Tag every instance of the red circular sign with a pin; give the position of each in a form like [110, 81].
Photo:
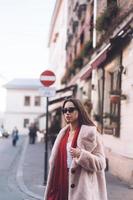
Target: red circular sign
[47, 78]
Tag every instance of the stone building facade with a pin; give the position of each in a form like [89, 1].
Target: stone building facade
[99, 49]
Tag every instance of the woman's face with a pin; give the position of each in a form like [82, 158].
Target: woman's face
[70, 112]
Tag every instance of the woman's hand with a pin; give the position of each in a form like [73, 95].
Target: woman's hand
[75, 152]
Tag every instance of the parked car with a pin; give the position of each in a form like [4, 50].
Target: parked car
[1, 135]
[1, 132]
[5, 134]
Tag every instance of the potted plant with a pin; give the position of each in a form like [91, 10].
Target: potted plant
[115, 96]
[78, 62]
[86, 50]
[104, 20]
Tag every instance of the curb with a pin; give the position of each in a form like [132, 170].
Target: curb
[19, 174]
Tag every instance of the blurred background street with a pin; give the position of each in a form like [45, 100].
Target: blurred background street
[53, 50]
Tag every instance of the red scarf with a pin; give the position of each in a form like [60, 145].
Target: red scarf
[59, 184]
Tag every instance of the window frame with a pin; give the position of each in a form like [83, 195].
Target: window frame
[35, 101]
[25, 123]
[27, 102]
[109, 2]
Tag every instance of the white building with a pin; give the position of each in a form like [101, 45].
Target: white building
[57, 40]
[23, 103]
[2, 98]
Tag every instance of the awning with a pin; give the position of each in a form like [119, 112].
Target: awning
[101, 58]
[58, 100]
[86, 74]
[71, 87]
[95, 63]
[61, 95]
[57, 103]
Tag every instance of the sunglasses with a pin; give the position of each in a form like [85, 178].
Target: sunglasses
[69, 110]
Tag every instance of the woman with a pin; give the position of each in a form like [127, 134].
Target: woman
[77, 159]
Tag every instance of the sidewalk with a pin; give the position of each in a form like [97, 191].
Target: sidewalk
[117, 189]
[30, 175]
[30, 170]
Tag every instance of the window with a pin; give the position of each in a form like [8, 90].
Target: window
[70, 58]
[82, 39]
[26, 123]
[37, 123]
[112, 103]
[37, 101]
[27, 100]
[91, 20]
[115, 78]
[100, 92]
[109, 2]
[75, 50]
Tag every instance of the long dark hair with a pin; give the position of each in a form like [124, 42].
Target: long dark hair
[83, 116]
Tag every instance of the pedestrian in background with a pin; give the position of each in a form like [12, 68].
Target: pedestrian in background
[1, 130]
[77, 160]
[15, 136]
[33, 133]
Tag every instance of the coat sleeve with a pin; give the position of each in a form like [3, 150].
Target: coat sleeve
[95, 160]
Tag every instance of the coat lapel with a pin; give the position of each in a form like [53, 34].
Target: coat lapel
[86, 140]
[56, 145]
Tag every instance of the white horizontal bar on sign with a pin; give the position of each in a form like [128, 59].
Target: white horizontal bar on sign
[47, 91]
[47, 78]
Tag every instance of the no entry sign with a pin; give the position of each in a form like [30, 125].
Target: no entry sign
[47, 78]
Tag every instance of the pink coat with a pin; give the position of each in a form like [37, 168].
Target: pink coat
[86, 175]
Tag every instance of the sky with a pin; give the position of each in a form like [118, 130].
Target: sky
[24, 29]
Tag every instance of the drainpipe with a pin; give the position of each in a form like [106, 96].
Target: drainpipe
[103, 89]
[93, 93]
[119, 105]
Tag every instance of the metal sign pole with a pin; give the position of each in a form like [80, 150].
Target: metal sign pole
[47, 78]
[46, 145]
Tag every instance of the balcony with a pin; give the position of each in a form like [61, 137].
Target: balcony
[106, 17]
[116, 96]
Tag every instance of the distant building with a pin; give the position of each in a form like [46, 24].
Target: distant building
[23, 103]
[57, 40]
[2, 98]
[57, 60]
